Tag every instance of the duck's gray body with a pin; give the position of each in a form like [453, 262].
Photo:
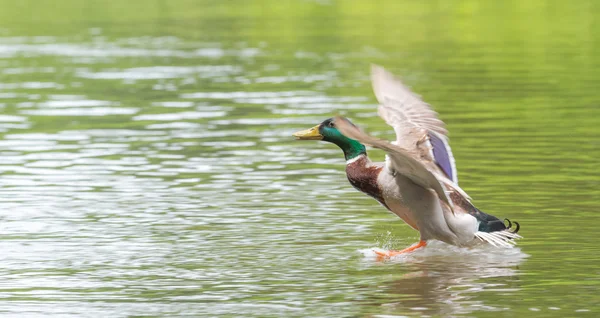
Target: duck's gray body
[418, 182]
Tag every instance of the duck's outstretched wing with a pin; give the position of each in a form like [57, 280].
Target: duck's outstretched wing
[416, 124]
[400, 161]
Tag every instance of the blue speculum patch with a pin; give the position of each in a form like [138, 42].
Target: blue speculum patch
[442, 157]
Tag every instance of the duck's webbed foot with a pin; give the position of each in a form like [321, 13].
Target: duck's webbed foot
[390, 253]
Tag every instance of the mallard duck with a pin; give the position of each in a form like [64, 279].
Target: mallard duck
[418, 180]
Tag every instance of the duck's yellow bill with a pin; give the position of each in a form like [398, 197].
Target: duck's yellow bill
[309, 134]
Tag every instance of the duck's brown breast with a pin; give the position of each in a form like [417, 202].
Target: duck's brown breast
[363, 176]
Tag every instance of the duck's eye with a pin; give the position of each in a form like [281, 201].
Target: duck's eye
[330, 125]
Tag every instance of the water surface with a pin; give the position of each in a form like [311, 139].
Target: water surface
[148, 167]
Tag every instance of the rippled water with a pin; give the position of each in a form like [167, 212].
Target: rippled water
[148, 167]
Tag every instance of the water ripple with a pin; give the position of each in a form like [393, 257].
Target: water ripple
[157, 176]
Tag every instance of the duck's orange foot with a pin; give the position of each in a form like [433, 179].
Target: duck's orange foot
[391, 253]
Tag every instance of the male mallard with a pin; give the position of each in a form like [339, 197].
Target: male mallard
[418, 180]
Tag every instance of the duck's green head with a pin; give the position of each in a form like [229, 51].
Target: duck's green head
[327, 131]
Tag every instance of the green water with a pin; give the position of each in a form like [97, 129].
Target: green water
[148, 169]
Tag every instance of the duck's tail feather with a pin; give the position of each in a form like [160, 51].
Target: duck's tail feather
[499, 234]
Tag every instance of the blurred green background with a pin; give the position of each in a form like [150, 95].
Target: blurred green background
[148, 167]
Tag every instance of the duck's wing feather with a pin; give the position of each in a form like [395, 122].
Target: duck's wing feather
[400, 160]
[442, 155]
[416, 124]
[400, 107]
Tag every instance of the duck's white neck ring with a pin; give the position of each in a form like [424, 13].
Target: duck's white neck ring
[349, 161]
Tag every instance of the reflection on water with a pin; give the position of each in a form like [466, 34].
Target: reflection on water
[443, 280]
[148, 169]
